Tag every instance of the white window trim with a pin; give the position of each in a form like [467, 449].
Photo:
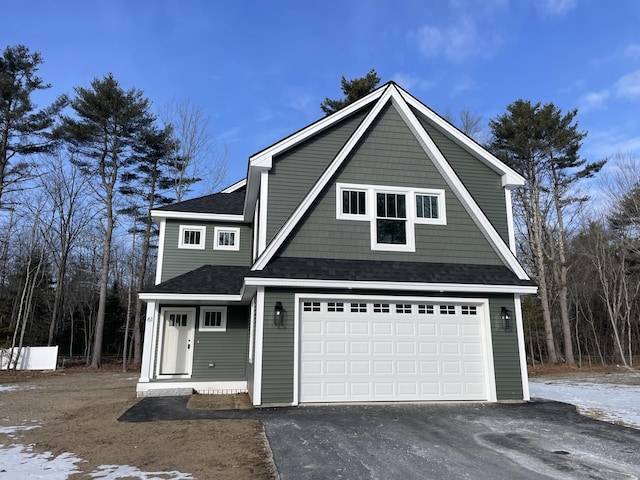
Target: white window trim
[442, 209]
[216, 238]
[198, 228]
[340, 215]
[223, 319]
[411, 220]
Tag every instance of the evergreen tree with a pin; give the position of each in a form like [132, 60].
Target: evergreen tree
[23, 129]
[108, 127]
[353, 90]
[542, 144]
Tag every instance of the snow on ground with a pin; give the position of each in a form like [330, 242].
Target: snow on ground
[19, 461]
[612, 402]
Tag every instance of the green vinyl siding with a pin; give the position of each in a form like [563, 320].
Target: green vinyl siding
[506, 356]
[278, 357]
[389, 155]
[226, 351]
[297, 170]
[177, 261]
[484, 184]
[277, 350]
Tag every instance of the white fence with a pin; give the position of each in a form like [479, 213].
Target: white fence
[30, 358]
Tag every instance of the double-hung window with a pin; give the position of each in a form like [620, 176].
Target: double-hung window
[391, 218]
[191, 236]
[392, 212]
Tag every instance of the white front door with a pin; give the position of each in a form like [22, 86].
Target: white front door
[177, 344]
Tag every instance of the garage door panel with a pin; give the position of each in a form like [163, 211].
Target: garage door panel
[380, 351]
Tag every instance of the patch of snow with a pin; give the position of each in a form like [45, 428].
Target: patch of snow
[19, 461]
[8, 388]
[607, 401]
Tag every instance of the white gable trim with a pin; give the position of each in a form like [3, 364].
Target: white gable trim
[509, 176]
[235, 187]
[264, 158]
[299, 212]
[393, 94]
[476, 213]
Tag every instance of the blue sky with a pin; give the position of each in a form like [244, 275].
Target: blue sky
[260, 69]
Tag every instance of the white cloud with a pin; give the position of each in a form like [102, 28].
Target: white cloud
[628, 86]
[454, 42]
[593, 100]
[557, 8]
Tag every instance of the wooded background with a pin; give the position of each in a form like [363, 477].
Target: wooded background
[78, 178]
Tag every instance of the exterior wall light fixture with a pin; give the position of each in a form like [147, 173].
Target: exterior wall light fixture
[279, 314]
[507, 322]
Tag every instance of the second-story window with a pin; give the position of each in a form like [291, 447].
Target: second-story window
[391, 218]
[192, 237]
[226, 238]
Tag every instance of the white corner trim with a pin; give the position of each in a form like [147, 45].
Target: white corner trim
[490, 372]
[257, 363]
[299, 212]
[264, 202]
[296, 348]
[151, 326]
[160, 259]
[526, 396]
[511, 226]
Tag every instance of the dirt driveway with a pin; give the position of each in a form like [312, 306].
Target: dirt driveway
[77, 412]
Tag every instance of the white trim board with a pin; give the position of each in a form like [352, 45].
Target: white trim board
[391, 93]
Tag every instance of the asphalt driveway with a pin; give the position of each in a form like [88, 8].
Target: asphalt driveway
[536, 440]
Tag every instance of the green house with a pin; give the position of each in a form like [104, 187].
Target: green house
[367, 257]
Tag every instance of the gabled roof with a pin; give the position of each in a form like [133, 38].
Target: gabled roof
[406, 105]
[214, 206]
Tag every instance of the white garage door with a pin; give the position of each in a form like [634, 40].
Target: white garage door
[386, 351]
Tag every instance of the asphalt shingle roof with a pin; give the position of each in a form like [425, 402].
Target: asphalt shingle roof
[228, 280]
[372, 270]
[206, 280]
[223, 203]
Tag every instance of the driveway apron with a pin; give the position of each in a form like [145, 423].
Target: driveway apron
[536, 440]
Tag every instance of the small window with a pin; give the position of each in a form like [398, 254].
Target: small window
[468, 310]
[192, 237]
[213, 319]
[311, 306]
[427, 206]
[447, 309]
[425, 309]
[177, 320]
[354, 202]
[403, 308]
[380, 308]
[335, 307]
[226, 238]
[358, 308]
